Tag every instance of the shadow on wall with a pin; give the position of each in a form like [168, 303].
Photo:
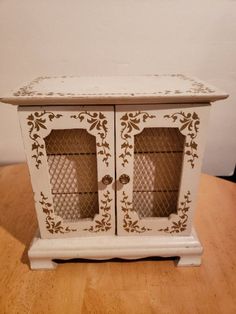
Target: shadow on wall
[17, 214]
[230, 178]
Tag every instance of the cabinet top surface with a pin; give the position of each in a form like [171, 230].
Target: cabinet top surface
[172, 88]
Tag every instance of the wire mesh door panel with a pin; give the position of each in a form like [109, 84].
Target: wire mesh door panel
[72, 162]
[158, 156]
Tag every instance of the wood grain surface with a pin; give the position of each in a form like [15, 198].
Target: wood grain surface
[147, 286]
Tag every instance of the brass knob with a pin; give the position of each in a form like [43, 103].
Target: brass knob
[124, 179]
[107, 179]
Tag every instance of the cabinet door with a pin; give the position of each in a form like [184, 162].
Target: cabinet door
[158, 156]
[70, 153]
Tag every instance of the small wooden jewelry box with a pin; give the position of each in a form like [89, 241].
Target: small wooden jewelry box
[114, 164]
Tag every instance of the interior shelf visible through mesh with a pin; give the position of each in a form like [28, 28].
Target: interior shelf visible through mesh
[158, 157]
[71, 155]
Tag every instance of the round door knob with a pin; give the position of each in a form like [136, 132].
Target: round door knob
[107, 179]
[124, 179]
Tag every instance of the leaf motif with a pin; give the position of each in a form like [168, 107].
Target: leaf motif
[51, 116]
[101, 116]
[31, 117]
[98, 121]
[35, 136]
[184, 126]
[92, 126]
[104, 224]
[193, 145]
[58, 224]
[125, 117]
[190, 121]
[34, 146]
[45, 210]
[128, 224]
[39, 119]
[51, 225]
[105, 144]
[129, 122]
[181, 224]
[195, 116]
[135, 126]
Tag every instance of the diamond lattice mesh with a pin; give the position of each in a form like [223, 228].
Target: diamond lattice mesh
[72, 165]
[158, 155]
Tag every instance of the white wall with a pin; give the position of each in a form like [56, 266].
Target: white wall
[108, 37]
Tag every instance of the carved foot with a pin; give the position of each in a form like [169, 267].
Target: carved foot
[42, 263]
[189, 260]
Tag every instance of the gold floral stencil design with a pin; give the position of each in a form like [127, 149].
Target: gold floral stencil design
[103, 224]
[128, 224]
[37, 121]
[30, 89]
[181, 224]
[97, 121]
[195, 88]
[51, 225]
[190, 123]
[129, 123]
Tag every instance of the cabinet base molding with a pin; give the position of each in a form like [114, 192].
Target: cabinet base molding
[43, 252]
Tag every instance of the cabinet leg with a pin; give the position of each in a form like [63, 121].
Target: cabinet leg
[189, 260]
[42, 263]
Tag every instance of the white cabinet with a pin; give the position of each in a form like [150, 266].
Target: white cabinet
[114, 165]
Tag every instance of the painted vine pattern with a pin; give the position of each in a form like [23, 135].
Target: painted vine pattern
[30, 89]
[129, 122]
[128, 224]
[181, 224]
[104, 224]
[196, 87]
[190, 122]
[37, 121]
[51, 225]
[97, 121]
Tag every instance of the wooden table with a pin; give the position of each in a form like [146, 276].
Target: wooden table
[146, 286]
